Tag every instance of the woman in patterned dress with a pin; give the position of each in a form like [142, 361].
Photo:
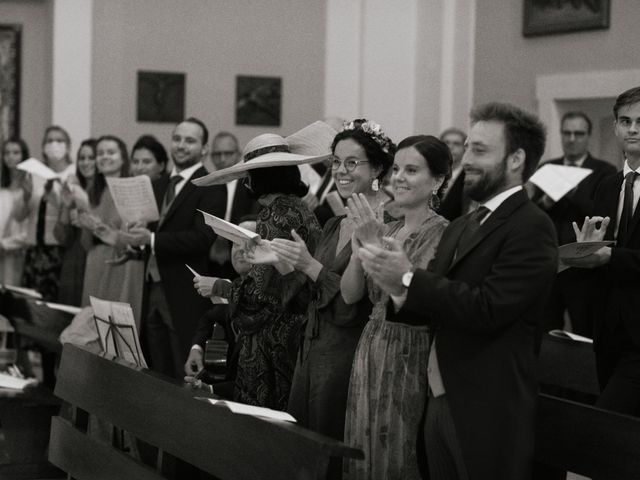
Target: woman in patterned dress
[388, 386]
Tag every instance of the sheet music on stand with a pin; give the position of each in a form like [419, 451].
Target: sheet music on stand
[117, 330]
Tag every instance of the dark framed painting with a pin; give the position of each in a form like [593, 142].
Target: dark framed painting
[258, 100]
[546, 17]
[10, 36]
[161, 97]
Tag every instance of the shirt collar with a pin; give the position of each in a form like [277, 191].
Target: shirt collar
[494, 202]
[577, 163]
[187, 172]
[627, 169]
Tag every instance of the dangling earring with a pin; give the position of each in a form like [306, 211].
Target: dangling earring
[375, 185]
[434, 201]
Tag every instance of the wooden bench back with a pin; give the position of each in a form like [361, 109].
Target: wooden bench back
[167, 415]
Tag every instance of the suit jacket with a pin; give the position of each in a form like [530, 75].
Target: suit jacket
[485, 306]
[618, 299]
[182, 237]
[577, 204]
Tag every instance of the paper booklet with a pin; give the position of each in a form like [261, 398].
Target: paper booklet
[229, 230]
[15, 383]
[36, 167]
[25, 292]
[73, 310]
[117, 330]
[558, 180]
[134, 199]
[242, 409]
[578, 250]
[570, 336]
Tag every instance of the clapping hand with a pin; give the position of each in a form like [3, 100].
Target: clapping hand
[386, 265]
[295, 253]
[590, 232]
[368, 229]
[258, 251]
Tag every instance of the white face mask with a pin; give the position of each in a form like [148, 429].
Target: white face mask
[55, 150]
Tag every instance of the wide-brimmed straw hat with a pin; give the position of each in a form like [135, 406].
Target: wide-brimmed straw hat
[310, 145]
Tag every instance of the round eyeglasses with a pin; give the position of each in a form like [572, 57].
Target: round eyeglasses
[350, 164]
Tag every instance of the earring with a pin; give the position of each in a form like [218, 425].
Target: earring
[375, 185]
[434, 201]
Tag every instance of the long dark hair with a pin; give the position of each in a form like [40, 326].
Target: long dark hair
[100, 183]
[151, 143]
[435, 153]
[5, 175]
[91, 143]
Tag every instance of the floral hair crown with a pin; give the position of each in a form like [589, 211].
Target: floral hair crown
[374, 130]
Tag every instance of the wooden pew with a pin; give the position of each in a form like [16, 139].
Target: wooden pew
[166, 415]
[583, 439]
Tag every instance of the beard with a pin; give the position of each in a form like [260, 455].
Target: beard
[488, 184]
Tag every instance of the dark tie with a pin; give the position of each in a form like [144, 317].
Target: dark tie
[627, 207]
[472, 225]
[171, 191]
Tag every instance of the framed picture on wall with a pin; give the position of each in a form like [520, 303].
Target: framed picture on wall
[546, 17]
[9, 81]
[258, 100]
[160, 97]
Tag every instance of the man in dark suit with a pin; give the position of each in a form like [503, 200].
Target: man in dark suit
[572, 286]
[172, 306]
[225, 152]
[617, 303]
[455, 202]
[483, 295]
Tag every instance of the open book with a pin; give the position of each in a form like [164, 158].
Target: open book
[117, 330]
[558, 180]
[242, 409]
[134, 199]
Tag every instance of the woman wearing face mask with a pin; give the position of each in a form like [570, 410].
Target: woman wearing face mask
[102, 234]
[13, 234]
[39, 203]
[361, 158]
[74, 198]
[388, 386]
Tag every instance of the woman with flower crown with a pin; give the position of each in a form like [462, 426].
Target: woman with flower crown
[388, 387]
[362, 155]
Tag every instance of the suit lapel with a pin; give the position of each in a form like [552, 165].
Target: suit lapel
[495, 220]
[611, 199]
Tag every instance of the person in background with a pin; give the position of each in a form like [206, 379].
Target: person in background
[218, 314]
[225, 153]
[104, 278]
[455, 201]
[387, 391]
[361, 158]
[572, 286]
[617, 267]
[13, 234]
[39, 204]
[180, 237]
[149, 157]
[74, 197]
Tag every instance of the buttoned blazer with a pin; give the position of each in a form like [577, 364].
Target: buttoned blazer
[182, 237]
[484, 304]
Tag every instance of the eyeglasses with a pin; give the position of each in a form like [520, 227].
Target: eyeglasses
[350, 164]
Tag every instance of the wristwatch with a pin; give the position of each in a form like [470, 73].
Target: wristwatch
[406, 279]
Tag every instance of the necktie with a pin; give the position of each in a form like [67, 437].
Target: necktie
[472, 225]
[171, 191]
[627, 207]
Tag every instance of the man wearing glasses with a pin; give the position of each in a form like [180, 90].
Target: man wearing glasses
[573, 285]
